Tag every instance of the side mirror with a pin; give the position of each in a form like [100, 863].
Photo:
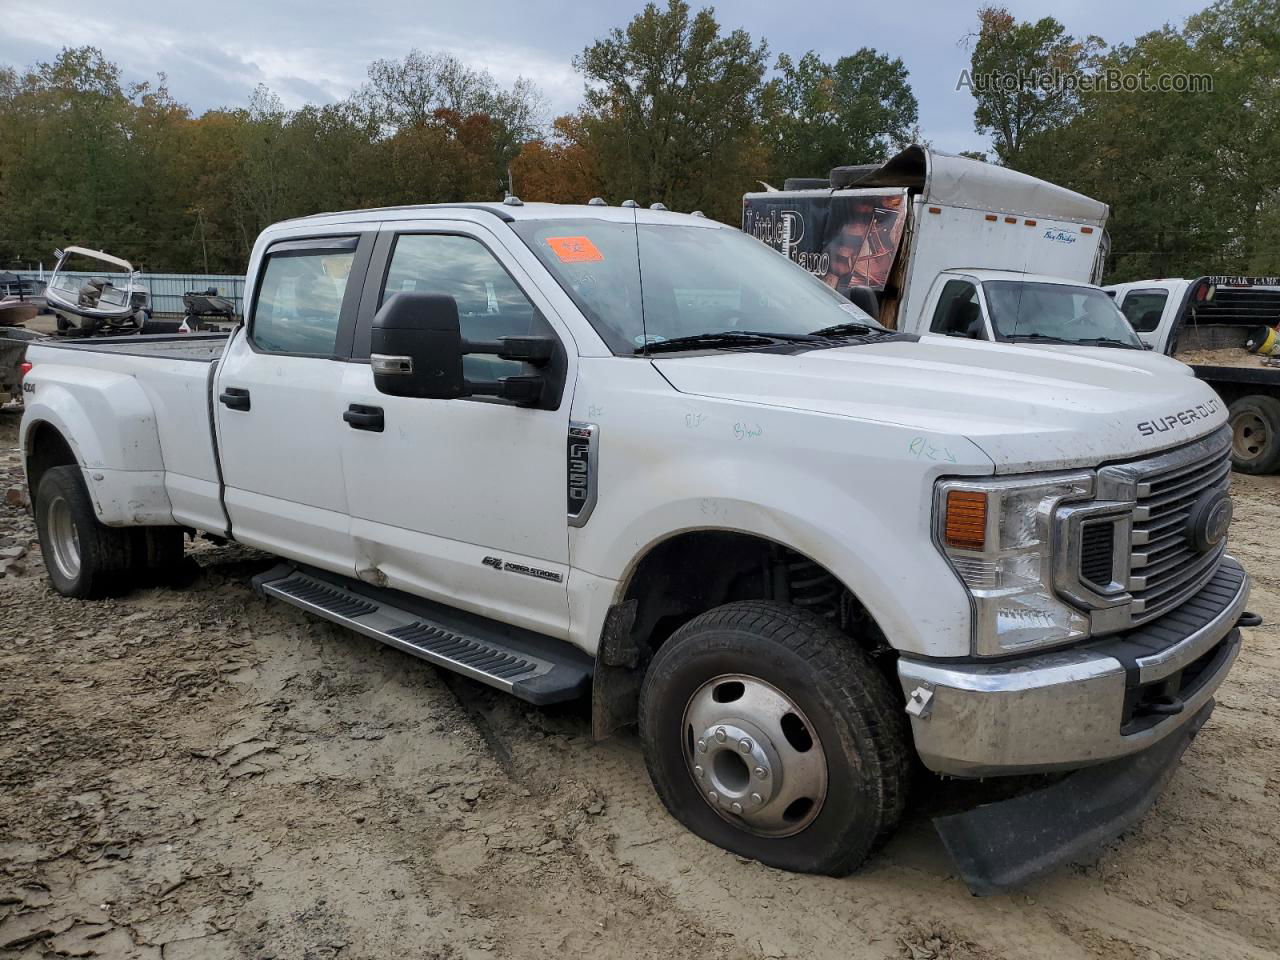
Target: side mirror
[416, 347]
[416, 350]
[865, 299]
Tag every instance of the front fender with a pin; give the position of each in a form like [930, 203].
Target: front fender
[853, 495]
[110, 425]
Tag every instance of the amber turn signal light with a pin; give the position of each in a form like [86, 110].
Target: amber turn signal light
[966, 527]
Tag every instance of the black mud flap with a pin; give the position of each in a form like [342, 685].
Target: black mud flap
[999, 846]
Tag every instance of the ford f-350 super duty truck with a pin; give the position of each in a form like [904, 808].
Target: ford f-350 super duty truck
[638, 456]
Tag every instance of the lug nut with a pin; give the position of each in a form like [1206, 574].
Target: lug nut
[756, 798]
[698, 772]
[712, 796]
[720, 734]
[761, 772]
[702, 746]
[744, 745]
[736, 807]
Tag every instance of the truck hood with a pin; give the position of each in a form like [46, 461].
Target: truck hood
[1143, 359]
[1026, 409]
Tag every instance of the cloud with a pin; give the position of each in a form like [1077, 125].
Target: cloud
[318, 50]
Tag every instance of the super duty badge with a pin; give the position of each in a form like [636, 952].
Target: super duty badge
[1185, 417]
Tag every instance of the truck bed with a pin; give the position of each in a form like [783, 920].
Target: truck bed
[195, 347]
[1229, 364]
[147, 403]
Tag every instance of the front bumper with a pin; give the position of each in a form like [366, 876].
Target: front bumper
[1086, 705]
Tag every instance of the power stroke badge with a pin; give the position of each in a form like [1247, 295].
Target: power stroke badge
[506, 566]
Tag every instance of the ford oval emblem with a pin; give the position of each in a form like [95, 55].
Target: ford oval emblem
[1208, 521]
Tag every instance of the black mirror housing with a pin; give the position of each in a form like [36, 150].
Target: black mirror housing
[865, 299]
[416, 347]
[416, 350]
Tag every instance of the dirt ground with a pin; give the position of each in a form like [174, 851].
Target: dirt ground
[198, 773]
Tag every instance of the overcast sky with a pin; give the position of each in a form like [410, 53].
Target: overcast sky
[215, 53]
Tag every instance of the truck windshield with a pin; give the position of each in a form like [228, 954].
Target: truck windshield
[1061, 312]
[649, 283]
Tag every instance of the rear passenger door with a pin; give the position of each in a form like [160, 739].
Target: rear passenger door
[278, 401]
[463, 501]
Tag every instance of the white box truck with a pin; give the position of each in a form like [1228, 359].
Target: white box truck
[931, 243]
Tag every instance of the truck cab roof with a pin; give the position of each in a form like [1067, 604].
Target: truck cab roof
[979, 273]
[506, 212]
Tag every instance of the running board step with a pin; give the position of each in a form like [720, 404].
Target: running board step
[533, 667]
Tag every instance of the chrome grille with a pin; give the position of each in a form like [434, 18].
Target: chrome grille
[1164, 566]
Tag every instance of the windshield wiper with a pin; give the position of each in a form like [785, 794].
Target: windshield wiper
[1043, 337]
[1110, 342]
[849, 328]
[725, 338]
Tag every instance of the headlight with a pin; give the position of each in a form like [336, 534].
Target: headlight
[997, 535]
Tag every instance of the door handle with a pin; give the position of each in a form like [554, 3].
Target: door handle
[234, 398]
[362, 417]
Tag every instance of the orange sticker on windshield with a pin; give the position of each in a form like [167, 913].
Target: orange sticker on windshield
[574, 249]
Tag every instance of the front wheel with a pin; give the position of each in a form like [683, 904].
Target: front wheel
[769, 733]
[1255, 434]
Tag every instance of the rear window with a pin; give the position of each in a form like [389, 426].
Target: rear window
[300, 301]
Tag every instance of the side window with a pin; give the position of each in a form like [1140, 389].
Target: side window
[958, 313]
[300, 299]
[490, 305]
[1144, 308]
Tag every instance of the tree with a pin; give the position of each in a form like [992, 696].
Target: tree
[672, 110]
[1193, 176]
[411, 93]
[1013, 77]
[558, 169]
[855, 110]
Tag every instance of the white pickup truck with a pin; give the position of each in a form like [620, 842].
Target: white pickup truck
[1217, 325]
[636, 455]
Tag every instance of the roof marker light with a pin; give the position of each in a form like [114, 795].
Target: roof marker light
[629, 203]
[596, 202]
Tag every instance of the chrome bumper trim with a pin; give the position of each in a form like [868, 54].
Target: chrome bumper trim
[1056, 711]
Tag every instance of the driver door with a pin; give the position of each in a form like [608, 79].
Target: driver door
[958, 311]
[462, 501]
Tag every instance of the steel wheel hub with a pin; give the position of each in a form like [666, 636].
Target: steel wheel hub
[754, 756]
[736, 771]
[1248, 436]
[63, 538]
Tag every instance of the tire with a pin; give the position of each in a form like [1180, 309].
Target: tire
[1255, 434]
[159, 556]
[83, 557]
[837, 697]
